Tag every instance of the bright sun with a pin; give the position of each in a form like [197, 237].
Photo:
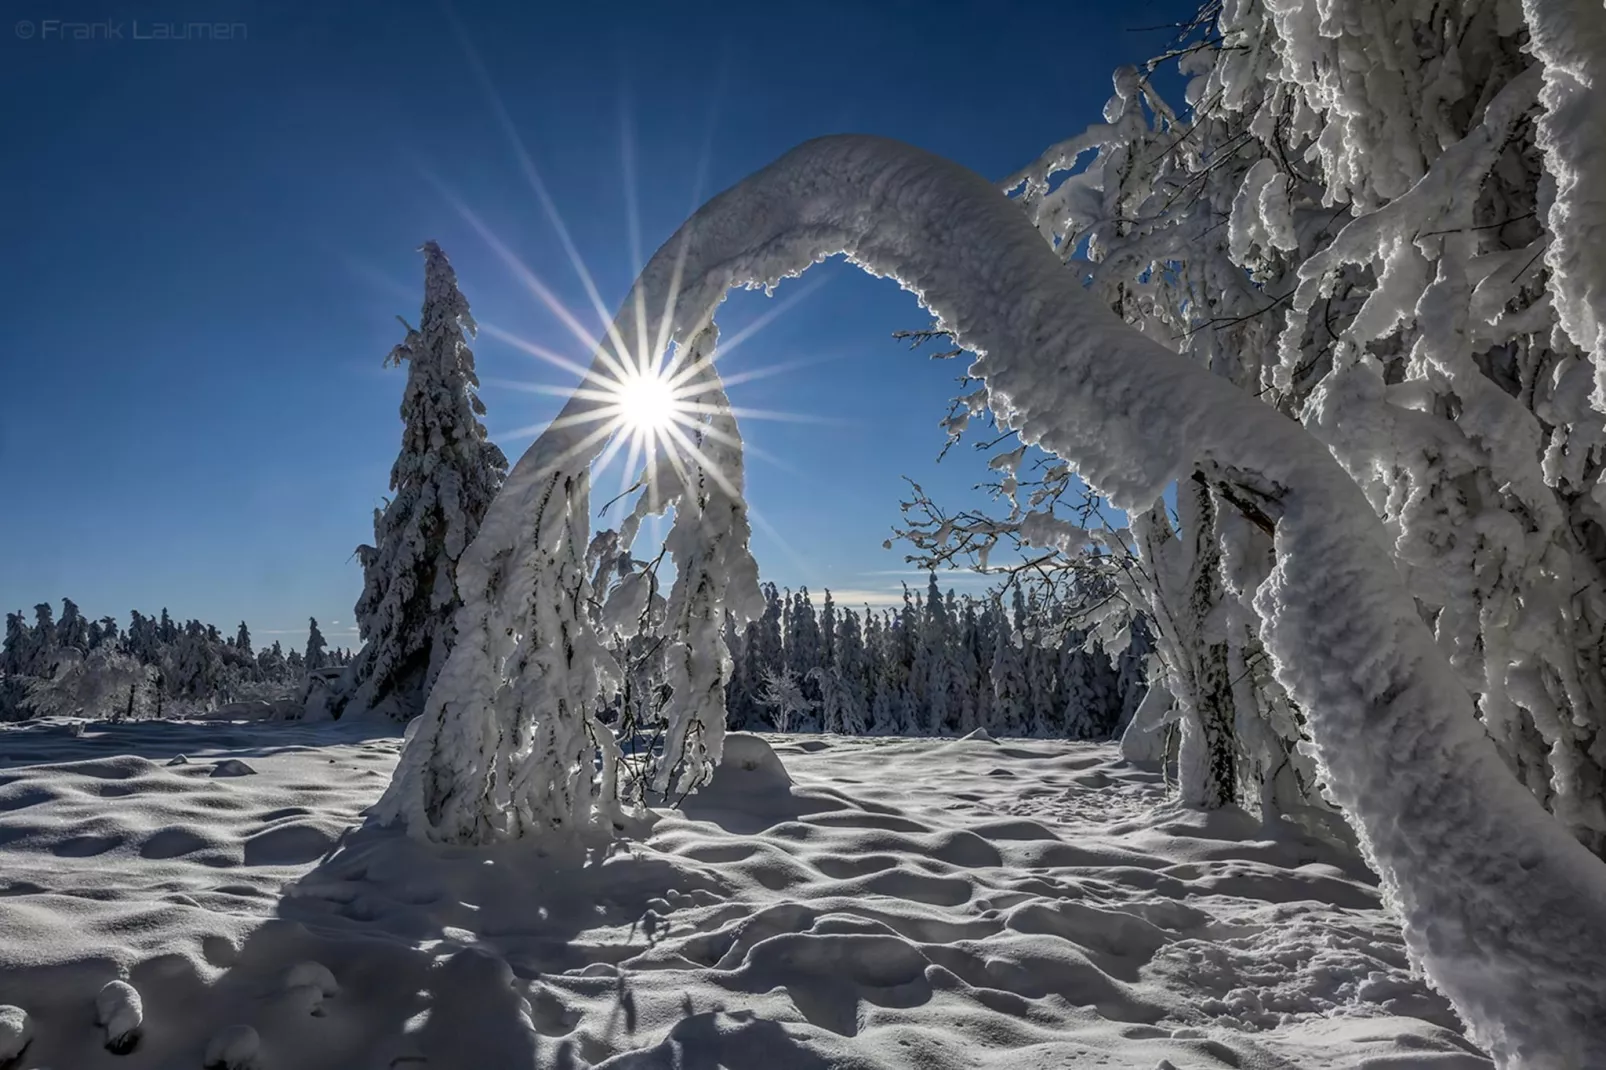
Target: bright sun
[646, 402]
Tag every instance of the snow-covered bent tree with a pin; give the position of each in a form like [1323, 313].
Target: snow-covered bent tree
[1504, 909]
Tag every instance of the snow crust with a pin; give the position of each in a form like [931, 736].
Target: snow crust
[875, 904]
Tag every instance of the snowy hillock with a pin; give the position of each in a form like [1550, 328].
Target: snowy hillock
[823, 901]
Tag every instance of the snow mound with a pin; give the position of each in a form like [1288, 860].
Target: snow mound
[877, 904]
[749, 764]
[980, 735]
[236, 1048]
[232, 767]
[312, 975]
[120, 1011]
[16, 1030]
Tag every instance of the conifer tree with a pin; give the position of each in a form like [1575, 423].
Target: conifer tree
[316, 656]
[42, 641]
[13, 656]
[441, 484]
[271, 663]
[72, 629]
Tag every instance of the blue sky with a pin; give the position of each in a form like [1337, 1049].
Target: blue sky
[208, 243]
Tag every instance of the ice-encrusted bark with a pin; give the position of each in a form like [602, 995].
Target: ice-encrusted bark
[1569, 39]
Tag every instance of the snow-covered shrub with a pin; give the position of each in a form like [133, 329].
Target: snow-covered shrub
[782, 692]
[104, 684]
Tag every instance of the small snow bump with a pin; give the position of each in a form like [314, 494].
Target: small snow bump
[314, 974]
[178, 759]
[236, 1048]
[120, 1010]
[16, 1030]
[232, 767]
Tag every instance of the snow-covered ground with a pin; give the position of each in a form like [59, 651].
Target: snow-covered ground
[875, 903]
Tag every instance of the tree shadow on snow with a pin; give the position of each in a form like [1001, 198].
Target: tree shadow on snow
[440, 953]
[53, 741]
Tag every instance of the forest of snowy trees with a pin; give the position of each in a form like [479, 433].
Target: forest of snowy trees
[154, 667]
[940, 664]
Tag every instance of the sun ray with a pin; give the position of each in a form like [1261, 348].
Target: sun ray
[614, 446]
[678, 463]
[557, 424]
[749, 449]
[549, 390]
[533, 175]
[769, 370]
[762, 414]
[762, 523]
[727, 346]
[627, 167]
[704, 462]
[585, 443]
[617, 404]
[534, 284]
[632, 459]
[553, 357]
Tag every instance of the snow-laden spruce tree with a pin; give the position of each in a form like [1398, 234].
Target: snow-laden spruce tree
[441, 484]
[317, 653]
[14, 655]
[1504, 909]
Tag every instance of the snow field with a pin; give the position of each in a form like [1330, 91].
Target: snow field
[827, 902]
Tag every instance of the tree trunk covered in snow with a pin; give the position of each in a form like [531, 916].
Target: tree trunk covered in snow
[1504, 909]
[1207, 764]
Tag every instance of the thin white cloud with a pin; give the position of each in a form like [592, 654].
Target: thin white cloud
[956, 576]
[877, 599]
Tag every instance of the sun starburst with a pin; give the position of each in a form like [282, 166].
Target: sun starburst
[648, 398]
[645, 403]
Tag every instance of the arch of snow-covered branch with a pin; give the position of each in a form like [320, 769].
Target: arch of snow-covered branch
[1504, 909]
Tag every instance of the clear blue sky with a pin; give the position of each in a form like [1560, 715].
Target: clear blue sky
[207, 244]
